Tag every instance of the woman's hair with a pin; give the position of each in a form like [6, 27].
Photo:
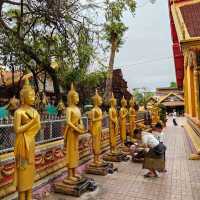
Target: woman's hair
[137, 131]
[159, 125]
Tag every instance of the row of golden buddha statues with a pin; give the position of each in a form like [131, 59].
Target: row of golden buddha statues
[27, 125]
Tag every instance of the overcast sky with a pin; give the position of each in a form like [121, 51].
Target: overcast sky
[146, 57]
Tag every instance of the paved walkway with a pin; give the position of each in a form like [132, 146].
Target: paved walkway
[181, 182]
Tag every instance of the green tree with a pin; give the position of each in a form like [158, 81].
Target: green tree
[173, 85]
[115, 29]
[86, 82]
[45, 30]
[142, 96]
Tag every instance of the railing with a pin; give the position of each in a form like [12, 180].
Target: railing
[51, 130]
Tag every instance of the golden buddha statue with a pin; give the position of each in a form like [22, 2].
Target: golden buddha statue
[123, 115]
[96, 128]
[113, 124]
[132, 116]
[155, 113]
[13, 105]
[73, 129]
[60, 107]
[37, 101]
[26, 126]
[44, 100]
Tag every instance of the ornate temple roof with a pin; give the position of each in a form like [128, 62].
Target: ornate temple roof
[185, 31]
[164, 91]
[172, 100]
[191, 17]
[186, 16]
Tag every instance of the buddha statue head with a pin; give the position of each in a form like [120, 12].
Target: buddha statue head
[113, 101]
[97, 100]
[132, 102]
[27, 94]
[72, 96]
[123, 102]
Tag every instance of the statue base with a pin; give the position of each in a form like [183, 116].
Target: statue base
[103, 169]
[125, 150]
[194, 157]
[76, 188]
[115, 157]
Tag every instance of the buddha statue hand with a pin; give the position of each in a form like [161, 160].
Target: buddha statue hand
[81, 129]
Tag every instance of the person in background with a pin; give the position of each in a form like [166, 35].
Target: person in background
[174, 118]
[154, 150]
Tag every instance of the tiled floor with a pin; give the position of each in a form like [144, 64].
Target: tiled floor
[181, 182]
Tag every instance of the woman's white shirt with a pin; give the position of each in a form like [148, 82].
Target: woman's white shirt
[159, 136]
[149, 140]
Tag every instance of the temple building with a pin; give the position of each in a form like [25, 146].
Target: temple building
[172, 99]
[173, 102]
[10, 83]
[119, 85]
[185, 29]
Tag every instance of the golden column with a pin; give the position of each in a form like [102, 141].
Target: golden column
[196, 91]
[191, 95]
[185, 82]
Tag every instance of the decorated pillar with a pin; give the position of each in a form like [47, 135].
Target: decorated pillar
[185, 82]
[196, 90]
[196, 84]
[191, 93]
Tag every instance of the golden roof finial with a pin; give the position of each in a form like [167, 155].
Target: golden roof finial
[70, 94]
[96, 96]
[123, 100]
[26, 89]
[72, 87]
[112, 99]
[132, 100]
[26, 84]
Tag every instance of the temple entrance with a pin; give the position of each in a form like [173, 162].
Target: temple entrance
[178, 109]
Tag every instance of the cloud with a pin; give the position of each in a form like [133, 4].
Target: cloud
[148, 38]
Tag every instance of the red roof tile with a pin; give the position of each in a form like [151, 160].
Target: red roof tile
[191, 17]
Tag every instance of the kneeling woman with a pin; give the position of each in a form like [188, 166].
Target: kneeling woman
[155, 156]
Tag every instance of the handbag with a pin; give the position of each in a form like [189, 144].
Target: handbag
[159, 149]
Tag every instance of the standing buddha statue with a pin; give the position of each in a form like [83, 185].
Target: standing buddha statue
[13, 105]
[60, 108]
[123, 115]
[98, 166]
[73, 129]
[96, 129]
[115, 154]
[156, 113]
[113, 124]
[26, 126]
[73, 184]
[132, 116]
